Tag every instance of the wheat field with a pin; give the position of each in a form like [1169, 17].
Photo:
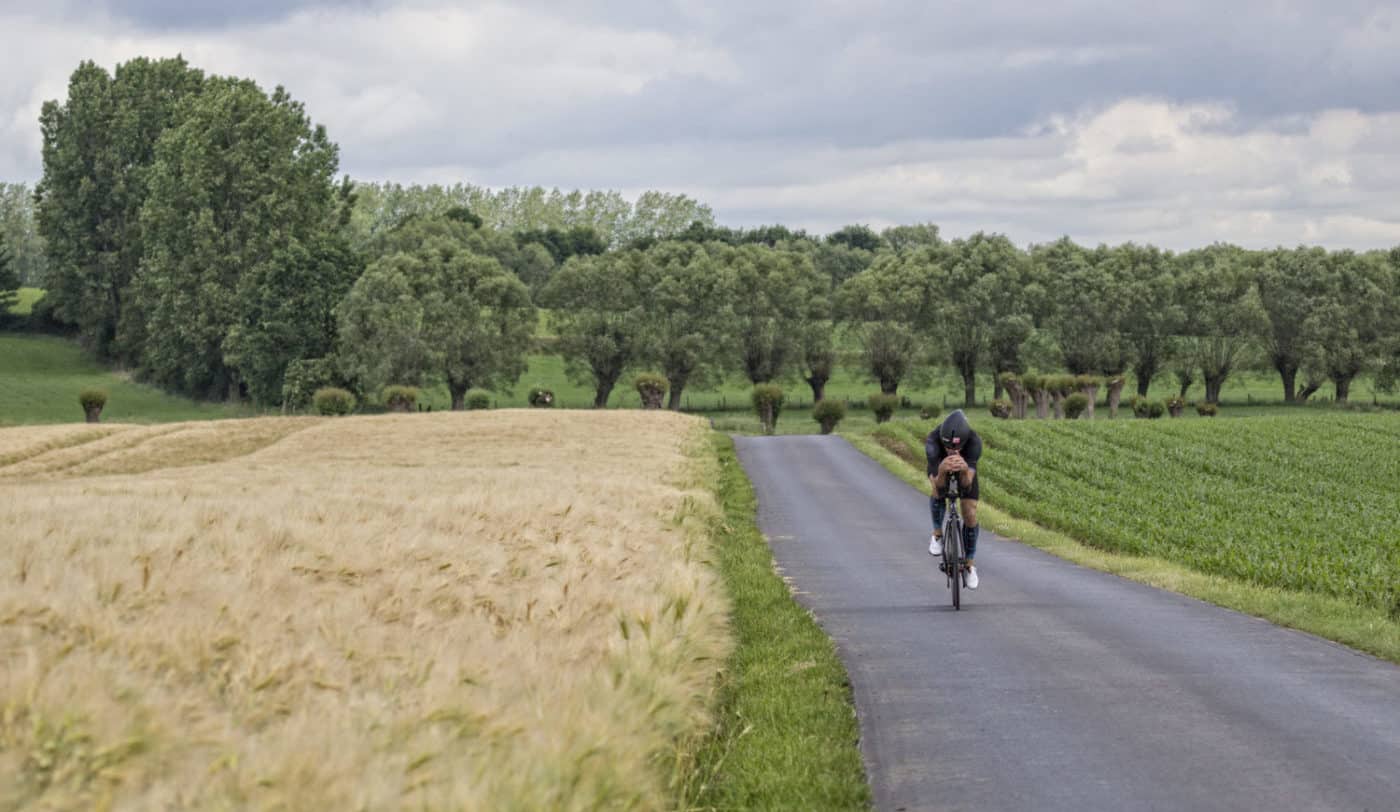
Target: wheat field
[483, 610]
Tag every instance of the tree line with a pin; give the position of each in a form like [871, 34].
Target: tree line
[193, 228]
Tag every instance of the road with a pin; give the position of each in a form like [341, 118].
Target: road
[1056, 686]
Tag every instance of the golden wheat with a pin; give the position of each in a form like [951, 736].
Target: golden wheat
[489, 610]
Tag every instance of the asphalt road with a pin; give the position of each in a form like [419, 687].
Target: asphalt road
[1059, 687]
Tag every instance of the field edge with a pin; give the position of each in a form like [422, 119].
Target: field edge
[1364, 629]
[785, 734]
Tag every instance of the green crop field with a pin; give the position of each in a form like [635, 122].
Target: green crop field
[41, 376]
[1301, 501]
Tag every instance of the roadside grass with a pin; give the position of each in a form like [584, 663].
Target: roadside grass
[1365, 628]
[786, 736]
[41, 376]
[511, 610]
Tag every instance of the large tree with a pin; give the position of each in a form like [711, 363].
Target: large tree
[1151, 315]
[436, 312]
[688, 315]
[1348, 327]
[240, 192]
[99, 150]
[598, 312]
[1290, 284]
[975, 290]
[781, 295]
[1222, 314]
[19, 228]
[883, 307]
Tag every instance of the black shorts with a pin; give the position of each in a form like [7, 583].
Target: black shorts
[970, 493]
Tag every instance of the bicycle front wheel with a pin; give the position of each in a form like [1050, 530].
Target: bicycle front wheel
[953, 555]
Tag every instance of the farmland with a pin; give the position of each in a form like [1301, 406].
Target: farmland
[1305, 502]
[358, 613]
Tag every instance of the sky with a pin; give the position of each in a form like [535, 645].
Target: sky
[1258, 122]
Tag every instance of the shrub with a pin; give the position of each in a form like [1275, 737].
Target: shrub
[1000, 408]
[93, 401]
[540, 398]
[768, 401]
[652, 388]
[1075, 405]
[400, 398]
[1175, 405]
[333, 401]
[1141, 406]
[828, 412]
[930, 412]
[1207, 409]
[1155, 409]
[883, 406]
[478, 399]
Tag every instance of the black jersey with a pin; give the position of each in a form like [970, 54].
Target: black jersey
[935, 453]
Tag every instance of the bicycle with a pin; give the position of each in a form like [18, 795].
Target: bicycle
[954, 562]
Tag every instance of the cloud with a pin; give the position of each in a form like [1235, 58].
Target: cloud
[1102, 120]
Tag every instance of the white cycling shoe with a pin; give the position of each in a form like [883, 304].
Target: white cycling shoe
[935, 546]
[971, 577]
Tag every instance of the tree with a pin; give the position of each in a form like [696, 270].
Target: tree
[20, 229]
[883, 306]
[599, 315]
[1089, 300]
[241, 193]
[1347, 327]
[1150, 315]
[903, 239]
[562, 243]
[974, 282]
[436, 312]
[99, 148]
[781, 296]
[856, 236]
[1290, 284]
[1221, 309]
[9, 280]
[687, 314]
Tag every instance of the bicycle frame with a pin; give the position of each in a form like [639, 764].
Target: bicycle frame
[954, 558]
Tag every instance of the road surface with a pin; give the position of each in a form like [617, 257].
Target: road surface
[1059, 687]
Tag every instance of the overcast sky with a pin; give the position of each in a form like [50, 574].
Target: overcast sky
[1177, 123]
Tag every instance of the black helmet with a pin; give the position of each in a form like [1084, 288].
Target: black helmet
[955, 432]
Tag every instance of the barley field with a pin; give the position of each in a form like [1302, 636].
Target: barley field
[484, 610]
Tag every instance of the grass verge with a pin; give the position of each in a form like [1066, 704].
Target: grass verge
[786, 734]
[1366, 629]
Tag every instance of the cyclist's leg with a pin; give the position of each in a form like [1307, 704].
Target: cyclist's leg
[969, 511]
[936, 509]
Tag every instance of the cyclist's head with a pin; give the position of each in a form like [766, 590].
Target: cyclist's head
[955, 432]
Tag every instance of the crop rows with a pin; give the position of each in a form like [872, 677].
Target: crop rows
[1308, 502]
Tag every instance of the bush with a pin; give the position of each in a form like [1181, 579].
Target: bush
[930, 412]
[1000, 408]
[93, 401]
[828, 412]
[1207, 409]
[883, 406]
[1155, 409]
[400, 398]
[768, 401]
[478, 399]
[540, 398]
[652, 388]
[333, 401]
[1141, 406]
[1075, 405]
[1175, 405]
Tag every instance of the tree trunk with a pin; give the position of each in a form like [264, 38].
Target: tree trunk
[678, 379]
[1042, 403]
[603, 390]
[1343, 388]
[1289, 373]
[1115, 396]
[1214, 383]
[459, 395]
[94, 414]
[889, 386]
[1018, 398]
[1307, 391]
[996, 388]
[1058, 398]
[969, 388]
[1092, 393]
[818, 384]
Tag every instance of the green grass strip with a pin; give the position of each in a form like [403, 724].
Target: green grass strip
[1365, 629]
[786, 736]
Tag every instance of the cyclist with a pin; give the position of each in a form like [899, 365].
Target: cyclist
[953, 450]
